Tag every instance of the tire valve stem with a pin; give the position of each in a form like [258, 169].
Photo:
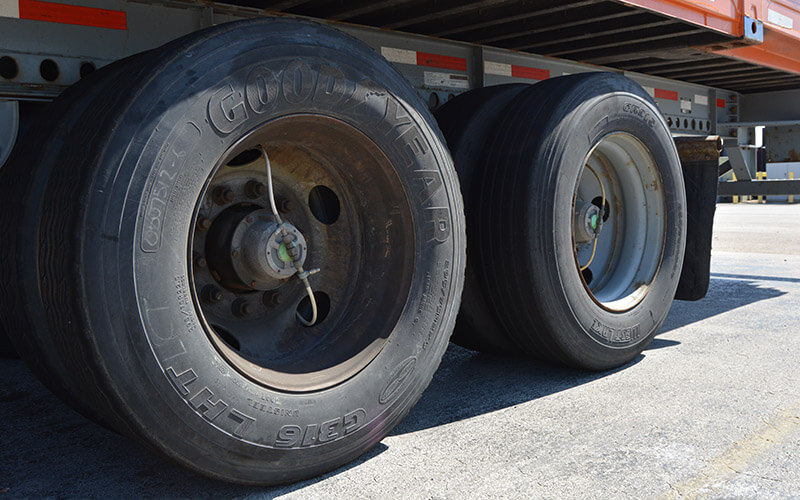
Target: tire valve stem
[291, 249]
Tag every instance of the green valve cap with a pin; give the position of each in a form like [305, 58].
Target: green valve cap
[594, 221]
[283, 253]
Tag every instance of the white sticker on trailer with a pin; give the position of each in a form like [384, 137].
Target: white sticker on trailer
[701, 100]
[650, 91]
[434, 79]
[686, 105]
[496, 68]
[9, 8]
[779, 19]
[401, 56]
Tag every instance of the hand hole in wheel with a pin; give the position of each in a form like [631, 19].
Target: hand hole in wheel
[324, 204]
[323, 308]
[245, 158]
[226, 336]
[587, 276]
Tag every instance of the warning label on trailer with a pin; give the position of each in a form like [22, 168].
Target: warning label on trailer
[449, 80]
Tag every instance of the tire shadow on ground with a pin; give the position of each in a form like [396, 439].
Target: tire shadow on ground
[469, 383]
[725, 293]
[48, 450]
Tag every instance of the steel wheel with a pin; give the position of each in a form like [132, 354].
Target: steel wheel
[618, 228]
[245, 287]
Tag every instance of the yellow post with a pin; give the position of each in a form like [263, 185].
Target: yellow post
[735, 197]
[761, 176]
[791, 197]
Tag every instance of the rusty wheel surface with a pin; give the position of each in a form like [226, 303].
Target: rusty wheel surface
[245, 283]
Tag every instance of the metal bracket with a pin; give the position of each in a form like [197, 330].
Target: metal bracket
[741, 163]
[753, 31]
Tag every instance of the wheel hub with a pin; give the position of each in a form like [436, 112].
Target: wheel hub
[260, 255]
[588, 222]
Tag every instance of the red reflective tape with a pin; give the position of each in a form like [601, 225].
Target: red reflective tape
[720, 103]
[530, 73]
[37, 10]
[666, 94]
[439, 61]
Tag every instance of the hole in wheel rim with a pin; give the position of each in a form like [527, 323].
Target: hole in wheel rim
[324, 204]
[304, 309]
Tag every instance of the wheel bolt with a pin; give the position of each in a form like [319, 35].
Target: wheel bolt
[199, 261]
[241, 307]
[284, 205]
[211, 294]
[203, 223]
[222, 195]
[271, 299]
[255, 189]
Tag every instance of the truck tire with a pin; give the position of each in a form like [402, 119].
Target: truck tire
[6, 349]
[582, 161]
[468, 122]
[50, 355]
[164, 270]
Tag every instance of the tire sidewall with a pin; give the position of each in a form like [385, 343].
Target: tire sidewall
[161, 360]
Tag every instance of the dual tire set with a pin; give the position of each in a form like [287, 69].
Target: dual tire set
[153, 293]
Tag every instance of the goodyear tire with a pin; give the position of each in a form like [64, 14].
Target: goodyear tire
[196, 343]
[584, 225]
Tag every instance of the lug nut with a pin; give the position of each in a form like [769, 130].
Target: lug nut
[199, 261]
[241, 307]
[222, 195]
[211, 294]
[203, 223]
[271, 299]
[284, 205]
[255, 189]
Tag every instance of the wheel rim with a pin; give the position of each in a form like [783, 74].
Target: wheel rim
[345, 206]
[618, 244]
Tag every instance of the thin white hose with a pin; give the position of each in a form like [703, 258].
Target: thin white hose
[303, 275]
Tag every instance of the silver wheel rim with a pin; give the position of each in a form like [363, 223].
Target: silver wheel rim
[620, 261]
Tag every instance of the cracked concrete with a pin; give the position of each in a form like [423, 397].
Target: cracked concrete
[710, 410]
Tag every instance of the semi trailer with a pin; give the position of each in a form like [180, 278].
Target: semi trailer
[243, 233]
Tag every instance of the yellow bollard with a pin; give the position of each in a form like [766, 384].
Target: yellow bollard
[761, 176]
[735, 197]
[791, 197]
